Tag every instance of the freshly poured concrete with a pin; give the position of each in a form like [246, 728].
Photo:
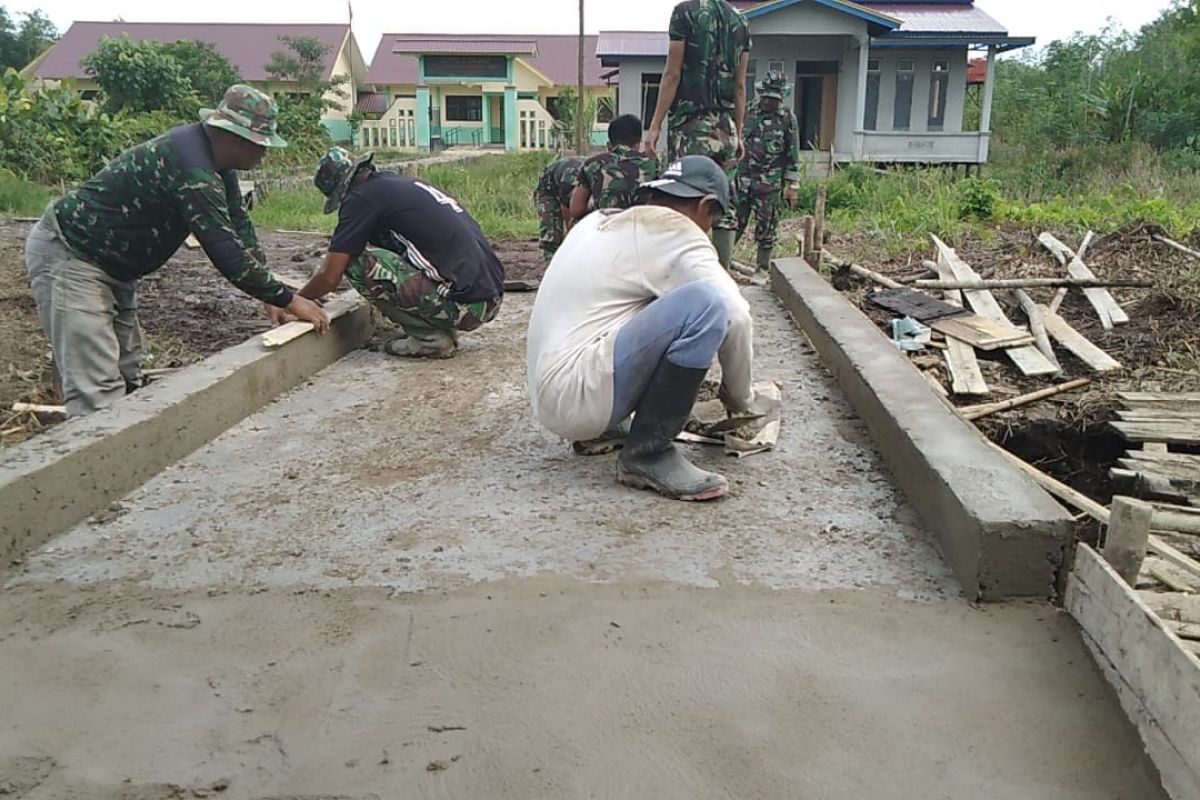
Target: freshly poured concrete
[391, 583]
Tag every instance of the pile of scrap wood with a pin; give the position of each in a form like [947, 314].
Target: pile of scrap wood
[967, 318]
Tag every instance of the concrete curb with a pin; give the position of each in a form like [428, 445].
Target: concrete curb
[1001, 533]
[56, 480]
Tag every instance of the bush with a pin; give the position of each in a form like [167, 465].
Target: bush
[977, 199]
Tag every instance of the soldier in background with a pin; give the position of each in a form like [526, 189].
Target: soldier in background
[553, 199]
[611, 179]
[704, 90]
[770, 170]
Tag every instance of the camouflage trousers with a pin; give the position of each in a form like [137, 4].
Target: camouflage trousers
[551, 224]
[761, 200]
[712, 135]
[410, 298]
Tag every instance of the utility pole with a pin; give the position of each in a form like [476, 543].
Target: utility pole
[580, 147]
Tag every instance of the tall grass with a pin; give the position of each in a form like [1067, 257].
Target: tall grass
[20, 198]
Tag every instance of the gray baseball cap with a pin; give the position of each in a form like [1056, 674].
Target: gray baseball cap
[693, 176]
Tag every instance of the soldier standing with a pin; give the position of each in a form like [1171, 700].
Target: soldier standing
[553, 199]
[611, 179]
[770, 170]
[704, 90]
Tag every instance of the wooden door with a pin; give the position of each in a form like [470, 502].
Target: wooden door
[816, 103]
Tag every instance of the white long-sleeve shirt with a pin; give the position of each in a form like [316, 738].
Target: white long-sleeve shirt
[609, 268]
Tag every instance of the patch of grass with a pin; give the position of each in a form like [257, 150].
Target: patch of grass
[20, 198]
[497, 190]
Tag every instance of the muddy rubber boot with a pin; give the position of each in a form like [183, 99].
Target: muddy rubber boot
[764, 258]
[650, 458]
[723, 240]
[612, 439]
[420, 339]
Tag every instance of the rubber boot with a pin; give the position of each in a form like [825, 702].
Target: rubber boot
[420, 339]
[612, 439]
[764, 258]
[650, 458]
[723, 240]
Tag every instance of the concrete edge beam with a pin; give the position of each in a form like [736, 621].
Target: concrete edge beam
[1001, 533]
[58, 479]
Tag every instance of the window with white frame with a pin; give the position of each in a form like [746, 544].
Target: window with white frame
[775, 64]
[871, 109]
[650, 84]
[906, 70]
[939, 85]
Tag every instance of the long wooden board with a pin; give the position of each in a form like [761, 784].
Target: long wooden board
[1167, 469]
[1106, 307]
[1027, 358]
[1076, 342]
[1164, 414]
[981, 332]
[1158, 397]
[965, 375]
[1182, 460]
[1170, 431]
[336, 307]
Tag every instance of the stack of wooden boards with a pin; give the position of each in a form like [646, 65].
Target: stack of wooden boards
[987, 327]
[1158, 422]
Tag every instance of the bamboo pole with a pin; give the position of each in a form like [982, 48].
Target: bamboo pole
[1176, 245]
[882, 280]
[1034, 283]
[38, 408]
[987, 409]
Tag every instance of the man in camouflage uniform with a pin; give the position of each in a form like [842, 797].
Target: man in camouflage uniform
[703, 89]
[85, 256]
[611, 179]
[769, 172]
[411, 250]
[553, 199]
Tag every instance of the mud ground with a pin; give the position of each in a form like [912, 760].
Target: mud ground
[393, 583]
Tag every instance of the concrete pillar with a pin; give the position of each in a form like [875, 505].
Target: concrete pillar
[422, 114]
[487, 118]
[860, 99]
[510, 118]
[989, 88]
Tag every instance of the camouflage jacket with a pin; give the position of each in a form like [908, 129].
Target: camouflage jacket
[772, 145]
[558, 179]
[613, 177]
[715, 36]
[135, 213]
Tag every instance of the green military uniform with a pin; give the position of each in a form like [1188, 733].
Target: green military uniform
[701, 119]
[613, 177]
[553, 192]
[772, 158]
[85, 256]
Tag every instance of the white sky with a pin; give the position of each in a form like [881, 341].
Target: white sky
[1045, 19]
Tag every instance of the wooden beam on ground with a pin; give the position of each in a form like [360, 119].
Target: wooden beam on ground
[1033, 283]
[871, 275]
[1169, 431]
[1177, 246]
[1076, 342]
[39, 408]
[1127, 537]
[1106, 307]
[1037, 327]
[1158, 397]
[1028, 359]
[987, 409]
[339, 305]
[981, 332]
[965, 376]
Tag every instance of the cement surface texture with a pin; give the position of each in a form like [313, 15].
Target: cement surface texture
[391, 583]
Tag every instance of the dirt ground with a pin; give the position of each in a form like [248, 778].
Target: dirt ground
[394, 583]
[188, 311]
[1159, 349]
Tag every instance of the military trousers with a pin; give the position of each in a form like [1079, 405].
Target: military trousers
[552, 225]
[762, 201]
[410, 298]
[713, 135]
[90, 319]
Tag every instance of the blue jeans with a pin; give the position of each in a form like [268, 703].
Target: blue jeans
[685, 326]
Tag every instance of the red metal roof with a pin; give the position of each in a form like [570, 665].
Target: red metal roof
[372, 103]
[556, 56]
[247, 46]
[976, 70]
[474, 45]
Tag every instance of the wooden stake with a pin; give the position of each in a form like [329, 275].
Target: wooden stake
[1128, 537]
[1037, 327]
[38, 408]
[806, 239]
[818, 241]
[987, 409]
[1171, 243]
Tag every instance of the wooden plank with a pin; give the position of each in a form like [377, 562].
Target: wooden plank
[1041, 339]
[1170, 431]
[1028, 359]
[336, 307]
[1076, 342]
[981, 332]
[1173, 607]
[1184, 478]
[1127, 536]
[1146, 664]
[1033, 283]
[1163, 414]
[39, 408]
[1159, 397]
[1106, 307]
[1169, 575]
[1184, 461]
[1149, 486]
[965, 376]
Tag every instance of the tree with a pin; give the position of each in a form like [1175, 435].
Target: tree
[20, 44]
[208, 72]
[139, 77]
[301, 107]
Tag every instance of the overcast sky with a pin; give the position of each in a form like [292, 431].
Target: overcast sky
[1045, 19]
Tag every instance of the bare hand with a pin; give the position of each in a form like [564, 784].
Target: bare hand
[277, 315]
[789, 196]
[741, 150]
[309, 311]
[759, 405]
[650, 145]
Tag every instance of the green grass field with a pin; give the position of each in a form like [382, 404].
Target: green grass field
[20, 198]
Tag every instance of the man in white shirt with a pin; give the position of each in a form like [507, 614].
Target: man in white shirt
[628, 318]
